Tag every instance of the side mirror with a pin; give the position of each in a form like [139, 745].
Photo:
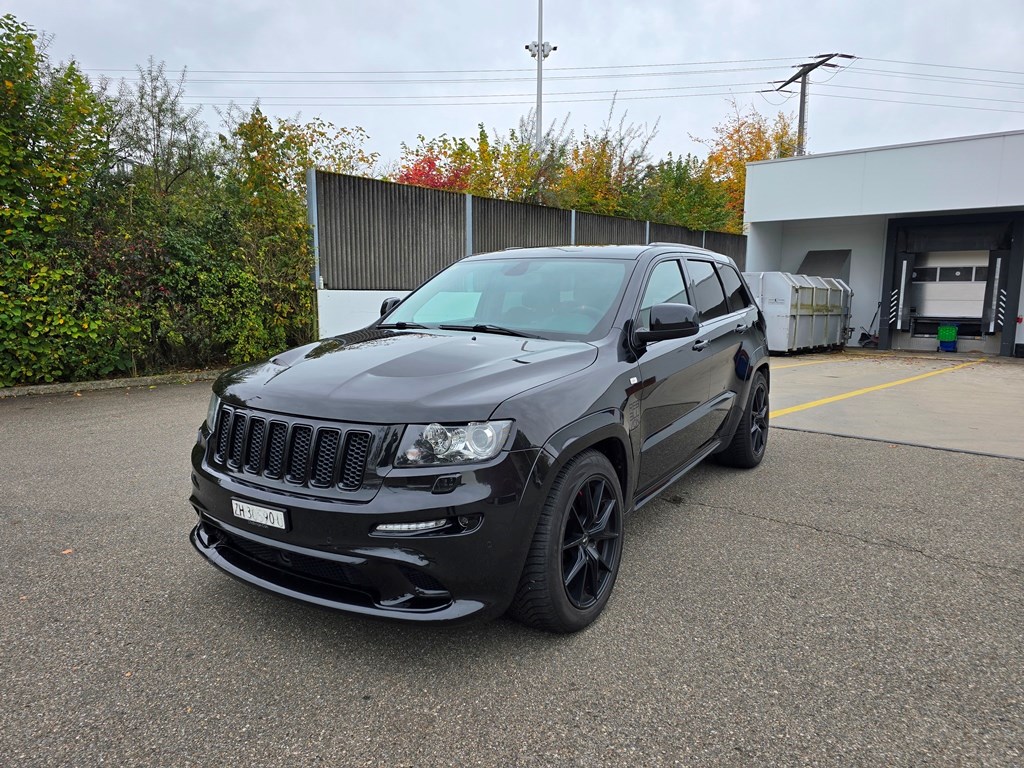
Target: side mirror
[388, 304]
[670, 321]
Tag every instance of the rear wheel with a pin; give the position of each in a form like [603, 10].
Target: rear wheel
[748, 444]
[576, 549]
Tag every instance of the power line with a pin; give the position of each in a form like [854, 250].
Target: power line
[803, 74]
[486, 95]
[943, 66]
[936, 78]
[477, 103]
[442, 71]
[923, 93]
[921, 103]
[473, 80]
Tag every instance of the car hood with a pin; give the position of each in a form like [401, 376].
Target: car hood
[402, 377]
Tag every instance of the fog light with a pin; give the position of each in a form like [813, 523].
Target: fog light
[423, 525]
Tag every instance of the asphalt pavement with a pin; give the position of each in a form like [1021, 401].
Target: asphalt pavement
[849, 602]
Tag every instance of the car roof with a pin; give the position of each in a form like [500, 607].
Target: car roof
[621, 252]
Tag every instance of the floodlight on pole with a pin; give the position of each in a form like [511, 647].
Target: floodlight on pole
[540, 51]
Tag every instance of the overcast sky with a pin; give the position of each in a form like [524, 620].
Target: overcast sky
[603, 47]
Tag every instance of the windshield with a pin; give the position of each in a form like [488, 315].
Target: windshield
[550, 298]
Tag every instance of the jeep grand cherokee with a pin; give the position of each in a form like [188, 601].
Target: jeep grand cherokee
[475, 450]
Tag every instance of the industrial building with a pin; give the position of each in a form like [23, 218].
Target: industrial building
[927, 235]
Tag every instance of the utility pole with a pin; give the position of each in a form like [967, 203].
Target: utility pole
[540, 51]
[821, 60]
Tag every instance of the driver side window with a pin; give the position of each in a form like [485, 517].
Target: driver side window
[665, 286]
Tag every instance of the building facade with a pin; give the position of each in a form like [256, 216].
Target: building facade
[927, 235]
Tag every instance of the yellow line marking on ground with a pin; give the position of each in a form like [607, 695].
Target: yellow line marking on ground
[812, 362]
[865, 390]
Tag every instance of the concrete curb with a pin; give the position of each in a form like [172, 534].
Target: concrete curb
[185, 377]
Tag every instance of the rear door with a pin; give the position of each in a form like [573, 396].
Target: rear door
[673, 424]
[726, 314]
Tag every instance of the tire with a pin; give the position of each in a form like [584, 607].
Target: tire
[751, 438]
[576, 550]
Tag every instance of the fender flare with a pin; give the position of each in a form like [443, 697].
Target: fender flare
[577, 437]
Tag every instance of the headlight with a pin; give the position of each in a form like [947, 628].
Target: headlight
[438, 444]
[211, 412]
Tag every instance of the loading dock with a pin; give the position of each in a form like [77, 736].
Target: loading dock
[928, 235]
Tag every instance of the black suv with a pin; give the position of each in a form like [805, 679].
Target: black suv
[475, 449]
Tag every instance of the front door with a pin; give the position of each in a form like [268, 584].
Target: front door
[674, 422]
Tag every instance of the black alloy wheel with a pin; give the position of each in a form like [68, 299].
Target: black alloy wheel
[590, 542]
[577, 547]
[751, 437]
[759, 418]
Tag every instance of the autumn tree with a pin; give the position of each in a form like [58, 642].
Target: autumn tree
[505, 166]
[154, 131]
[267, 161]
[681, 191]
[51, 141]
[604, 171]
[438, 163]
[745, 137]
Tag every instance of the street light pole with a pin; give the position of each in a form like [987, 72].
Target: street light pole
[540, 51]
[540, 73]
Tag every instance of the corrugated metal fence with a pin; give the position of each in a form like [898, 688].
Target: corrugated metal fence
[377, 235]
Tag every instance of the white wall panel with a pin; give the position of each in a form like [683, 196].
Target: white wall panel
[344, 311]
[863, 236]
[971, 173]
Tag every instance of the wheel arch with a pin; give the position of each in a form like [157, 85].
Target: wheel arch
[603, 432]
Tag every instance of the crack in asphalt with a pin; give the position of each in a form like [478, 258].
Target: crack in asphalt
[951, 560]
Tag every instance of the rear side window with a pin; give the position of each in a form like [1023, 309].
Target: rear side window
[708, 297]
[734, 290]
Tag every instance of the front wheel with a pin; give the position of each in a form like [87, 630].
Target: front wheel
[748, 444]
[576, 549]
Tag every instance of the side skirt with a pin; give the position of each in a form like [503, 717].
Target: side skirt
[710, 448]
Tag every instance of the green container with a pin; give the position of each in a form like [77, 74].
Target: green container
[947, 333]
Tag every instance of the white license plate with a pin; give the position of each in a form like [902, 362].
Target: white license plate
[274, 518]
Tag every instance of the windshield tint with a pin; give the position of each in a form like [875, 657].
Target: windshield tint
[552, 298]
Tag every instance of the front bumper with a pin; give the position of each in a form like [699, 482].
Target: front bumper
[329, 555]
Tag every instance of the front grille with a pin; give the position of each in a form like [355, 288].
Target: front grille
[275, 456]
[326, 455]
[237, 440]
[298, 457]
[310, 455]
[357, 444]
[254, 452]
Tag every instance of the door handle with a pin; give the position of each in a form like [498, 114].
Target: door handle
[741, 328]
[700, 344]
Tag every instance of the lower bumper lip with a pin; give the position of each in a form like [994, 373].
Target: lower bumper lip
[415, 606]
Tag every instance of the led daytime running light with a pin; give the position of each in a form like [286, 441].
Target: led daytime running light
[424, 525]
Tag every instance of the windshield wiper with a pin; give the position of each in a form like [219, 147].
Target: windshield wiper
[488, 328]
[401, 326]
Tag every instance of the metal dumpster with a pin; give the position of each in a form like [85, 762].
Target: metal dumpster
[803, 312]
